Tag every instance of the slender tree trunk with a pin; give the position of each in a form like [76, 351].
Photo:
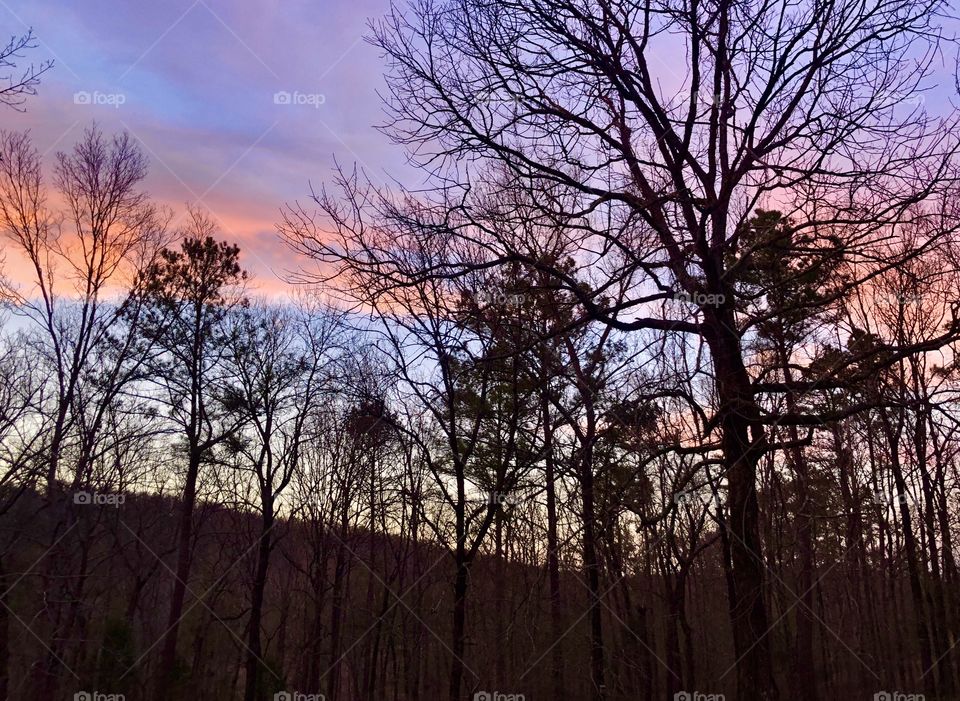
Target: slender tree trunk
[910, 545]
[935, 598]
[499, 593]
[185, 536]
[674, 593]
[254, 650]
[374, 658]
[460, 584]
[854, 549]
[66, 582]
[553, 558]
[807, 676]
[946, 549]
[318, 569]
[336, 615]
[590, 560]
[373, 643]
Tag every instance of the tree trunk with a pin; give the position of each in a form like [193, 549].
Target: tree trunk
[460, 584]
[910, 545]
[185, 537]
[336, 614]
[590, 560]
[254, 651]
[743, 443]
[553, 558]
[807, 676]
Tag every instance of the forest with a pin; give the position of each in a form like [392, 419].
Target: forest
[645, 390]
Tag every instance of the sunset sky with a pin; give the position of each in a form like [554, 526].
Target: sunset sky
[195, 82]
[636, 377]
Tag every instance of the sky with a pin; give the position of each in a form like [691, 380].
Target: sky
[239, 106]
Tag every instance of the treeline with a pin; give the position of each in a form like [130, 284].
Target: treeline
[460, 488]
[648, 390]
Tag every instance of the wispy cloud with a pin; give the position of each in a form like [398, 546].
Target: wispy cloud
[201, 84]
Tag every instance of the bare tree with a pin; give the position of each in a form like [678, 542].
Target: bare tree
[19, 83]
[189, 295]
[281, 359]
[83, 263]
[451, 373]
[655, 169]
[107, 234]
